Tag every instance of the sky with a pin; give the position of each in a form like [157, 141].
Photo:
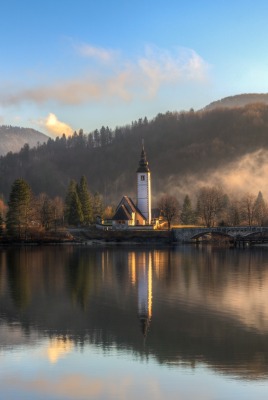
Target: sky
[69, 65]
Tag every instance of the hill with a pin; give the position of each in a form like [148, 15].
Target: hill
[184, 150]
[239, 100]
[13, 138]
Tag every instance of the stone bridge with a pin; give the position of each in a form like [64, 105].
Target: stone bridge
[233, 232]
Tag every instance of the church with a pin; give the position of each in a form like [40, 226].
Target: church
[131, 215]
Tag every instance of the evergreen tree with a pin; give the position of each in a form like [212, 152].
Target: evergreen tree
[68, 199]
[75, 212]
[85, 199]
[98, 208]
[260, 209]
[187, 213]
[1, 224]
[19, 208]
[73, 208]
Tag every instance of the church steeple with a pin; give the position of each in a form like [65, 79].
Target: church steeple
[144, 187]
[143, 164]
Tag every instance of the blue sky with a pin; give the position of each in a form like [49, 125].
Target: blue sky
[68, 65]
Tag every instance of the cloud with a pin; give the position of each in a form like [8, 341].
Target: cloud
[127, 80]
[56, 127]
[162, 66]
[99, 53]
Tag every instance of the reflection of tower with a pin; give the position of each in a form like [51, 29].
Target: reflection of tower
[144, 187]
[145, 290]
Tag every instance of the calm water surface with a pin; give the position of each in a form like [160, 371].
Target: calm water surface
[131, 323]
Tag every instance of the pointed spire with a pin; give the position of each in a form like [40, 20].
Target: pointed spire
[143, 164]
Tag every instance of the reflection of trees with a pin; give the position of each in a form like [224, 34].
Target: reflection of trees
[18, 275]
[82, 279]
[200, 298]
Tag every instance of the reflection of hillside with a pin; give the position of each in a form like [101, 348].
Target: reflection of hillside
[202, 305]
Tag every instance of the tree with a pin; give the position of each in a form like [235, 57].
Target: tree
[187, 213]
[85, 199]
[260, 209]
[98, 208]
[234, 213]
[68, 198]
[248, 208]
[75, 216]
[169, 207]
[73, 208]
[19, 206]
[210, 202]
[1, 224]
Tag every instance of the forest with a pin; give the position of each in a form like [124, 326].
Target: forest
[179, 145]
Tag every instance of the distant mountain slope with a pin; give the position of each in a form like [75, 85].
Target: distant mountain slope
[13, 138]
[239, 100]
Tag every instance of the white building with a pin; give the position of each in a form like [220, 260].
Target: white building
[128, 214]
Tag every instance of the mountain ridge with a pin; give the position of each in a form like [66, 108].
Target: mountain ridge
[13, 138]
[238, 100]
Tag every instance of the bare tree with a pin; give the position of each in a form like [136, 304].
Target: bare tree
[210, 202]
[247, 206]
[169, 207]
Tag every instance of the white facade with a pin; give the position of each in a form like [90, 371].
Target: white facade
[144, 194]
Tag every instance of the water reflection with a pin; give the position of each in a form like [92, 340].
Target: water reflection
[178, 305]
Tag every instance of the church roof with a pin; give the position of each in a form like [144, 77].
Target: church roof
[125, 209]
[122, 214]
[143, 164]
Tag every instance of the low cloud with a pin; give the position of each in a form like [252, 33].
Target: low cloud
[56, 127]
[128, 79]
[248, 174]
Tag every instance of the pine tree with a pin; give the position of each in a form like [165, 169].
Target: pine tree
[1, 224]
[85, 199]
[75, 212]
[73, 208]
[19, 208]
[68, 199]
[187, 213]
[98, 208]
[260, 209]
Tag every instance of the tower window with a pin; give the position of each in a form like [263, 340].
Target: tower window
[142, 178]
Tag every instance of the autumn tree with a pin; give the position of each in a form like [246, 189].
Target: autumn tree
[210, 202]
[169, 207]
[19, 208]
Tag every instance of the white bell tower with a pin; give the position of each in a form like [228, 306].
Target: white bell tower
[144, 187]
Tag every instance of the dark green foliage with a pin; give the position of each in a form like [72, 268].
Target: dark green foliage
[98, 209]
[73, 209]
[85, 200]
[19, 206]
[75, 216]
[1, 224]
[187, 213]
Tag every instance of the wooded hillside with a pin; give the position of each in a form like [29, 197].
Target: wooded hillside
[177, 144]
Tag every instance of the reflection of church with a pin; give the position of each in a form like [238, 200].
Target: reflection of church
[142, 277]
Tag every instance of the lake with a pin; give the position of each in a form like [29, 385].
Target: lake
[183, 322]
